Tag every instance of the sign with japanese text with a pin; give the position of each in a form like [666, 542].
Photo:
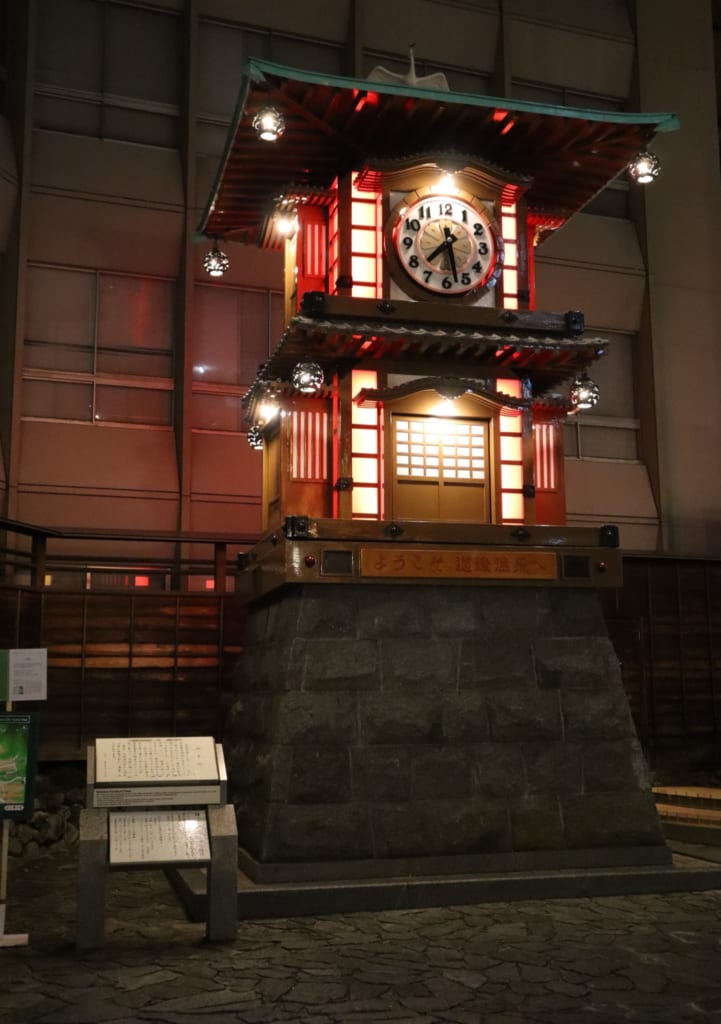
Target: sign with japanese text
[158, 837]
[24, 674]
[447, 563]
[160, 759]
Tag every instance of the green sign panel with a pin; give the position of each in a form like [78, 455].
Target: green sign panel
[18, 759]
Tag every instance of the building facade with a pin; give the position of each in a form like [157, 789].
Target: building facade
[123, 363]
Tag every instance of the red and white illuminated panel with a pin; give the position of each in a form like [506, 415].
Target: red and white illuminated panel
[366, 448]
[544, 437]
[510, 424]
[366, 243]
[309, 445]
[314, 249]
[433, 449]
[509, 279]
[333, 242]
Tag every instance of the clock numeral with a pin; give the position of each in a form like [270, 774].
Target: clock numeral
[464, 216]
[427, 275]
[445, 209]
[465, 278]
[478, 229]
[483, 249]
[477, 268]
[407, 241]
[413, 262]
[447, 283]
[424, 212]
[412, 224]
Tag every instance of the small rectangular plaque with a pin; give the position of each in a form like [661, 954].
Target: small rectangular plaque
[158, 837]
[156, 760]
[449, 563]
[155, 796]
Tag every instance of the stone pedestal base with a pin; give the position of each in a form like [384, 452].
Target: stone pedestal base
[445, 727]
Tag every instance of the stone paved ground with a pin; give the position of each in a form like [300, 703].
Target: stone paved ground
[582, 961]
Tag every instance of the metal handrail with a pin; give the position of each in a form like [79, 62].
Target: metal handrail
[38, 560]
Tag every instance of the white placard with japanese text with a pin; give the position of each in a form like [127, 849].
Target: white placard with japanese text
[24, 674]
[173, 759]
[158, 837]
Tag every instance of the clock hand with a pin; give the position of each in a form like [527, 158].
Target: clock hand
[438, 250]
[450, 239]
[447, 242]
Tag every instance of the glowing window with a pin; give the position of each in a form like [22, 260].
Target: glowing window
[440, 449]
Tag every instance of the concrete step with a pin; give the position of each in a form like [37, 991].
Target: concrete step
[688, 873]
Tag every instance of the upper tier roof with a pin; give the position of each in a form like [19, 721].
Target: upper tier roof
[335, 125]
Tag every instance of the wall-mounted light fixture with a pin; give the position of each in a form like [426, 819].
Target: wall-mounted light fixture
[255, 438]
[644, 168]
[445, 185]
[215, 262]
[307, 378]
[584, 393]
[269, 409]
[286, 221]
[269, 124]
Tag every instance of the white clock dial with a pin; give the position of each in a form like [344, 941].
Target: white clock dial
[447, 245]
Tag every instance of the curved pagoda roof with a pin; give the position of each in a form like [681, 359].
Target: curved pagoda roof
[335, 125]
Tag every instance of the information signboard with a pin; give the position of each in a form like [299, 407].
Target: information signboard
[158, 837]
[24, 674]
[155, 761]
[18, 758]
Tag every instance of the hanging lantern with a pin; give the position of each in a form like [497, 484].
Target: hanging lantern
[255, 438]
[216, 262]
[308, 378]
[644, 168]
[269, 123]
[584, 393]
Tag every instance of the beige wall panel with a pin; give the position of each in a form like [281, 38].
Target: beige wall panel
[99, 512]
[681, 255]
[687, 360]
[97, 167]
[8, 208]
[320, 18]
[612, 492]
[444, 33]
[8, 183]
[76, 455]
[249, 265]
[607, 299]
[558, 55]
[598, 241]
[684, 224]
[220, 516]
[609, 17]
[106, 236]
[224, 464]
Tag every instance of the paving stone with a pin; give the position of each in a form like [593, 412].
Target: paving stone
[644, 959]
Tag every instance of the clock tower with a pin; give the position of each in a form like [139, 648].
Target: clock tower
[426, 681]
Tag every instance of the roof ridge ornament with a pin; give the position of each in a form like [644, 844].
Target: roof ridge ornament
[435, 81]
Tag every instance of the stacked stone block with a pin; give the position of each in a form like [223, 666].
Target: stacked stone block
[388, 728]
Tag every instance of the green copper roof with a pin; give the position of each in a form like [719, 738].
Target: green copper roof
[335, 125]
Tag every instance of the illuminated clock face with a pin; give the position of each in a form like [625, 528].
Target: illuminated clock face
[447, 245]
